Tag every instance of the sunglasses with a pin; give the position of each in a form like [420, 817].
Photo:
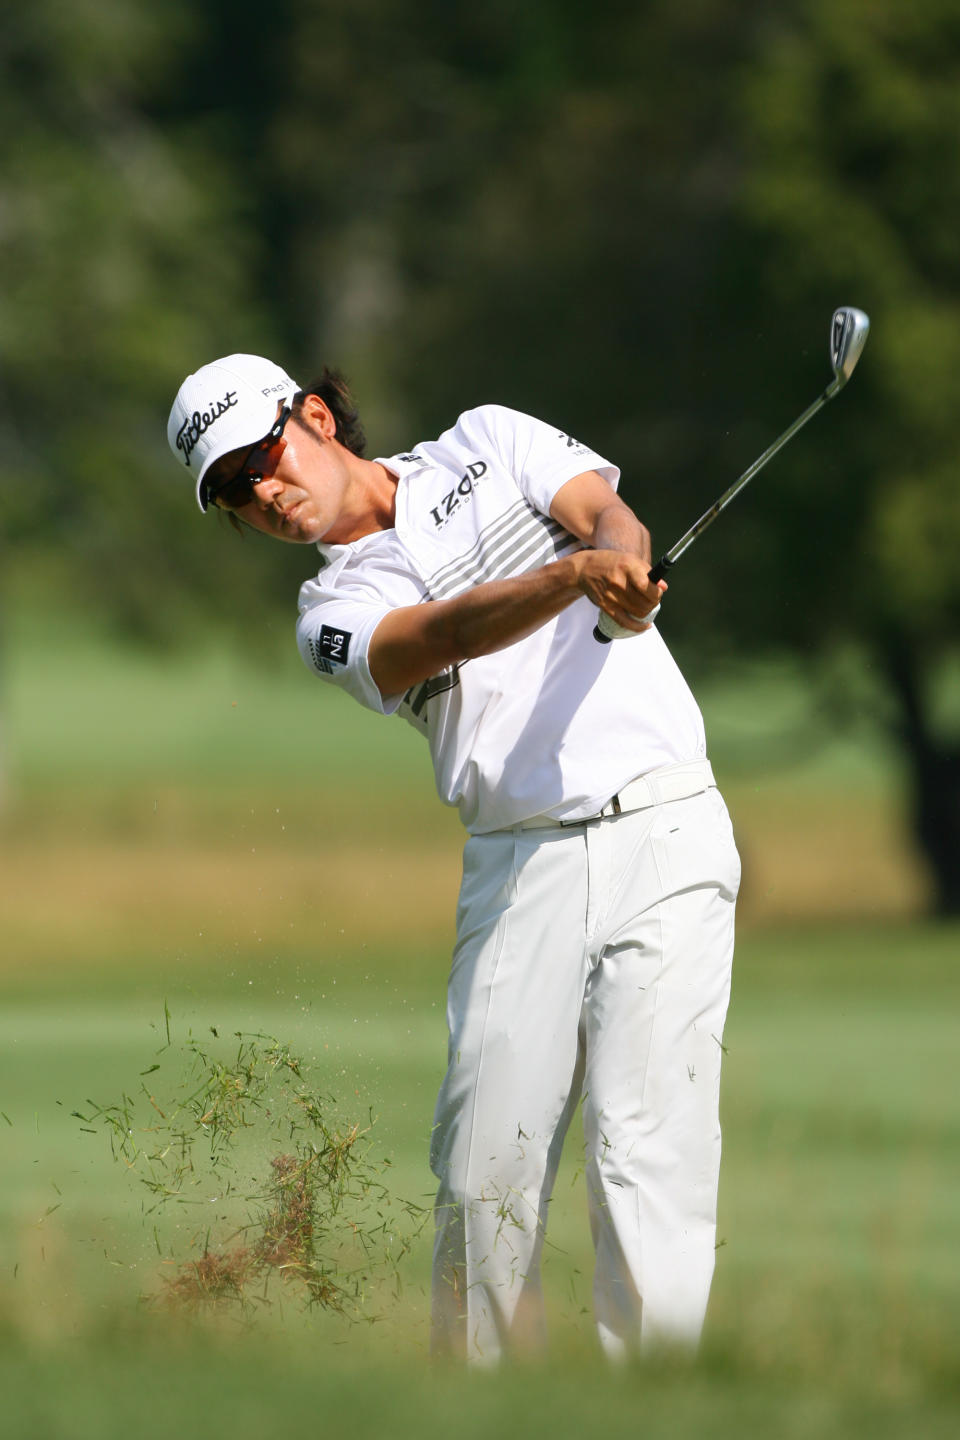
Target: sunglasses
[236, 492]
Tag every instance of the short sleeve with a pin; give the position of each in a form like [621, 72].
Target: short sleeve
[333, 636]
[539, 456]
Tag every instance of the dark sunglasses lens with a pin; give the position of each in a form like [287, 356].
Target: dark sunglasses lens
[234, 494]
[239, 491]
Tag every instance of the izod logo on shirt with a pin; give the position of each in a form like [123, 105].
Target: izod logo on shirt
[459, 495]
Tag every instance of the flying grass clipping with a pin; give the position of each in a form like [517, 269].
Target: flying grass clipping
[253, 1186]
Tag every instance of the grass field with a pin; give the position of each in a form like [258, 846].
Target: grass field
[198, 836]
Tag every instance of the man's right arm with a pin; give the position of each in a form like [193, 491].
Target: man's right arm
[416, 642]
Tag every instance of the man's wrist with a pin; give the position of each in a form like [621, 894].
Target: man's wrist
[571, 569]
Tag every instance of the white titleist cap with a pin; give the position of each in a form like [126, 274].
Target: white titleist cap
[224, 405]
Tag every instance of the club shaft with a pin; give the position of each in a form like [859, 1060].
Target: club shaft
[707, 519]
[671, 556]
[669, 559]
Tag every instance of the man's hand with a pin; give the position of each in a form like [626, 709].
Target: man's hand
[619, 585]
[591, 510]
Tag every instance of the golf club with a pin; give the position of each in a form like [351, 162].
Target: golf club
[848, 335]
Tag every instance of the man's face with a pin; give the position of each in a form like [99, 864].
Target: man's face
[296, 483]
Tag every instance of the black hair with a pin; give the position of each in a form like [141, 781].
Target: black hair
[332, 389]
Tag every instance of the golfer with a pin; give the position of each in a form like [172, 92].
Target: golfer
[458, 587]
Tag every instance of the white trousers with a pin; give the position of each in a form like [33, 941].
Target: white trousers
[590, 962]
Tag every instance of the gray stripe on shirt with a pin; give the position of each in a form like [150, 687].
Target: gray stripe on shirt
[515, 542]
[516, 517]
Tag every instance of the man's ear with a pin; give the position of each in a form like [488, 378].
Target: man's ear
[317, 416]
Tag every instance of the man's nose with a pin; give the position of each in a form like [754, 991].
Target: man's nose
[266, 490]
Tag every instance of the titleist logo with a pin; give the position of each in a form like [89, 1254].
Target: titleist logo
[200, 421]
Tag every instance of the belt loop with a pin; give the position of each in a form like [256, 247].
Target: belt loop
[615, 802]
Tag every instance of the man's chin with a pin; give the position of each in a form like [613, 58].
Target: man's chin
[300, 527]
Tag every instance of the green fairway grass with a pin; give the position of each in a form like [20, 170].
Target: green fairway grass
[193, 843]
[837, 1296]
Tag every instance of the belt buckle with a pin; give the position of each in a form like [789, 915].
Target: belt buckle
[612, 807]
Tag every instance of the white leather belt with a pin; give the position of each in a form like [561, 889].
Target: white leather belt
[657, 787]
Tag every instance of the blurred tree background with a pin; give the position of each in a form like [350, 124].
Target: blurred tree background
[632, 221]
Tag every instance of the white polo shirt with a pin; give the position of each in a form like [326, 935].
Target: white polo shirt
[553, 725]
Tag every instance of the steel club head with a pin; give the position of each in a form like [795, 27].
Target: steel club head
[849, 329]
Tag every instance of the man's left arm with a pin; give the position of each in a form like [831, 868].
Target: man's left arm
[591, 510]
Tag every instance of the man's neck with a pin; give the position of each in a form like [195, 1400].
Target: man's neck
[374, 492]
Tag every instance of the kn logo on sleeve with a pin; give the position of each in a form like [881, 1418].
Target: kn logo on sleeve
[334, 644]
